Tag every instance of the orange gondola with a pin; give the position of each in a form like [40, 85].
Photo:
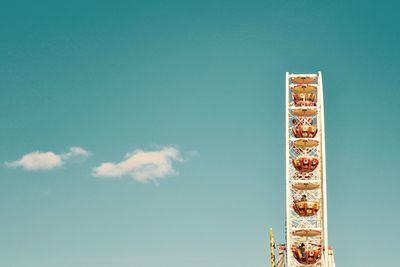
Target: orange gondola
[304, 80]
[304, 89]
[306, 256]
[305, 143]
[304, 99]
[307, 232]
[304, 131]
[306, 186]
[304, 112]
[305, 164]
[306, 208]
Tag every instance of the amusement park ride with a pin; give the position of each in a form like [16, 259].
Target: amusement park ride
[306, 201]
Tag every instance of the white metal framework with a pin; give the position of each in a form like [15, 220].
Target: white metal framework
[306, 200]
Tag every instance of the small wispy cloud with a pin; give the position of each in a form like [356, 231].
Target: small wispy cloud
[41, 161]
[75, 152]
[142, 165]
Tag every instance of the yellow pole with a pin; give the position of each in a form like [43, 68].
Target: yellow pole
[272, 247]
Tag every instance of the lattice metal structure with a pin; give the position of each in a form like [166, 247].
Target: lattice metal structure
[306, 200]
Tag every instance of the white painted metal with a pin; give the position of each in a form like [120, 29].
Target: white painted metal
[318, 195]
[331, 258]
[302, 74]
[324, 191]
[287, 158]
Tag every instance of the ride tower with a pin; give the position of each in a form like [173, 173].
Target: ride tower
[306, 198]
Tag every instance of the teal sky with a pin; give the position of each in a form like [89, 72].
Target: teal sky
[207, 78]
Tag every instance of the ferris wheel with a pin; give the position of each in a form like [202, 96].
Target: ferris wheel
[306, 199]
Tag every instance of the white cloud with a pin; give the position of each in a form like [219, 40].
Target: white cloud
[75, 152]
[142, 165]
[38, 160]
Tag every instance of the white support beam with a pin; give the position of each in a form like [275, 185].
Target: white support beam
[323, 167]
[303, 75]
[287, 162]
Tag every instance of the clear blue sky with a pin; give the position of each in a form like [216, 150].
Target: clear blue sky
[205, 77]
